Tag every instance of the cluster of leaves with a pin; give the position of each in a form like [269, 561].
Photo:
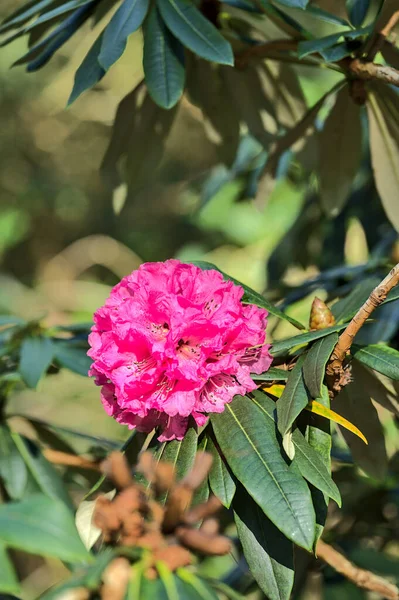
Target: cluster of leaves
[271, 450]
[254, 113]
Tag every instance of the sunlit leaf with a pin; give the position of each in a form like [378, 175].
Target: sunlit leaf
[319, 409]
[379, 357]
[256, 460]
[294, 398]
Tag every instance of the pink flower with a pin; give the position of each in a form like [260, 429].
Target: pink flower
[173, 342]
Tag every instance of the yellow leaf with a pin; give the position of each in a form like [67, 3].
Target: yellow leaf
[323, 411]
[275, 390]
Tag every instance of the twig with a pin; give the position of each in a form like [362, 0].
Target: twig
[70, 460]
[360, 577]
[368, 70]
[377, 296]
[383, 29]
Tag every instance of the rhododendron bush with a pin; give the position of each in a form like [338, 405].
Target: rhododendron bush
[168, 432]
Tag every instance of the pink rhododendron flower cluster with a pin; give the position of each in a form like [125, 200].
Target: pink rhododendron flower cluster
[174, 341]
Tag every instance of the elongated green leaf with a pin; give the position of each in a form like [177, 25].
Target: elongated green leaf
[340, 152]
[152, 589]
[319, 438]
[24, 13]
[89, 73]
[357, 11]
[255, 459]
[294, 398]
[250, 296]
[377, 387]
[180, 454]
[354, 403]
[8, 578]
[56, 12]
[163, 61]
[125, 21]
[191, 28]
[384, 148]
[310, 46]
[73, 358]
[220, 478]
[36, 356]
[315, 364]
[312, 467]
[42, 525]
[90, 577]
[294, 3]
[273, 374]
[268, 552]
[347, 307]
[43, 473]
[382, 359]
[327, 17]
[197, 584]
[303, 338]
[13, 471]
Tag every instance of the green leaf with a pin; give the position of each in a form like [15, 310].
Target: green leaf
[312, 467]
[43, 473]
[311, 46]
[315, 364]
[197, 584]
[36, 356]
[24, 13]
[357, 11]
[220, 478]
[152, 589]
[303, 338]
[56, 12]
[168, 580]
[273, 374]
[384, 147]
[89, 578]
[340, 152]
[347, 307]
[382, 359]
[44, 526]
[256, 460]
[294, 3]
[73, 358]
[354, 403]
[379, 392]
[89, 73]
[294, 398]
[319, 438]
[163, 62]
[125, 21]
[193, 30]
[8, 577]
[268, 552]
[180, 454]
[250, 296]
[327, 17]
[13, 471]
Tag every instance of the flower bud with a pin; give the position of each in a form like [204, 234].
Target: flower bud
[320, 315]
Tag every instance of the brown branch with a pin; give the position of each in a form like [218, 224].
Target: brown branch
[360, 577]
[377, 296]
[368, 70]
[383, 29]
[70, 460]
[262, 50]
